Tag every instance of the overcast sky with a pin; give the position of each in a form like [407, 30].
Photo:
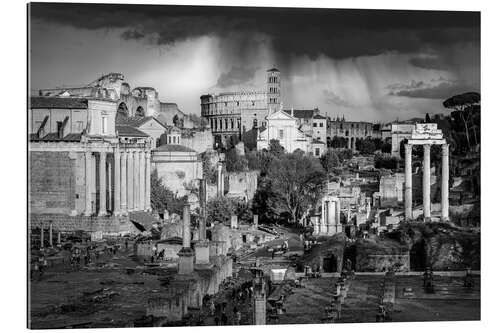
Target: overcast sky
[366, 65]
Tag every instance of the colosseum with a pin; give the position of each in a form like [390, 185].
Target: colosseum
[234, 113]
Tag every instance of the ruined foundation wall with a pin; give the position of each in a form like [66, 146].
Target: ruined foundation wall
[66, 223]
[52, 182]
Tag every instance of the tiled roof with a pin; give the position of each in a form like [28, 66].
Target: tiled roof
[318, 116]
[306, 114]
[126, 130]
[134, 121]
[58, 103]
[175, 148]
[72, 137]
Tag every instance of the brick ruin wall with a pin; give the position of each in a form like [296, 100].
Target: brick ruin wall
[51, 183]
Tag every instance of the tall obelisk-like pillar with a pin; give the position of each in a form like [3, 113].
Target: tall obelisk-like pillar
[408, 183]
[186, 255]
[426, 190]
[445, 175]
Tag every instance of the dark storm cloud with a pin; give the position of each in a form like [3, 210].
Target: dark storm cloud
[337, 34]
[132, 34]
[433, 62]
[235, 76]
[442, 90]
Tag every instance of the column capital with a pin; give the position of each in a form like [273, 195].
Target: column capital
[446, 148]
[427, 146]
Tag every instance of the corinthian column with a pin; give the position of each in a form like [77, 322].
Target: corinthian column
[426, 189]
[408, 183]
[142, 171]
[148, 181]
[445, 174]
[130, 181]
[116, 198]
[123, 182]
[102, 183]
[88, 175]
[136, 180]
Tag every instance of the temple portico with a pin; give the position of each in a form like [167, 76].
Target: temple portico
[129, 183]
[427, 135]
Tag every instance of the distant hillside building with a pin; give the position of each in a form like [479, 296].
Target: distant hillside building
[136, 102]
[349, 130]
[233, 113]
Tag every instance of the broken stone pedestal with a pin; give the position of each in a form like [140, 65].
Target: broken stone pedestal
[186, 261]
[202, 253]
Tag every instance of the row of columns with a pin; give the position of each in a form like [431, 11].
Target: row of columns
[131, 174]
[426, 186]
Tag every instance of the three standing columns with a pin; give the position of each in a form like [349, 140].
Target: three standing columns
[426, 186]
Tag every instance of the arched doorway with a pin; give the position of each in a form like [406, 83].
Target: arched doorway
[122, 110]
[139, 112]
[330, 264]
[418, 256]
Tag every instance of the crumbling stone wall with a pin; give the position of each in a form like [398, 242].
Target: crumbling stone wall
[108, 225]
[243, 184]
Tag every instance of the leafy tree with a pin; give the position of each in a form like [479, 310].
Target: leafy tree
[366, 146]
[461, 103]
[330, 161]
[259, 160]
[235, 162]
[427, 118]
[163, 198]
[264, 201]
[386, 161]
[222, 208]
[344, 155]
[275, 148]
[209, 170]
[386, 146]
[297, 182]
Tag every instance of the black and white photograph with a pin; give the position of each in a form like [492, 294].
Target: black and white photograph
[208, 165]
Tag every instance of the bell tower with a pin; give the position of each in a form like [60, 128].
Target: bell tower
[273, 89]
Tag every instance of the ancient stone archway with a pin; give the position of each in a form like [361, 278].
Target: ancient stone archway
[139, 112]
[122, 110]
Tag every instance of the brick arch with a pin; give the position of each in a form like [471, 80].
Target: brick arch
[123, 110]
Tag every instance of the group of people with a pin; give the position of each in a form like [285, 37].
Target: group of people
[157, 255]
